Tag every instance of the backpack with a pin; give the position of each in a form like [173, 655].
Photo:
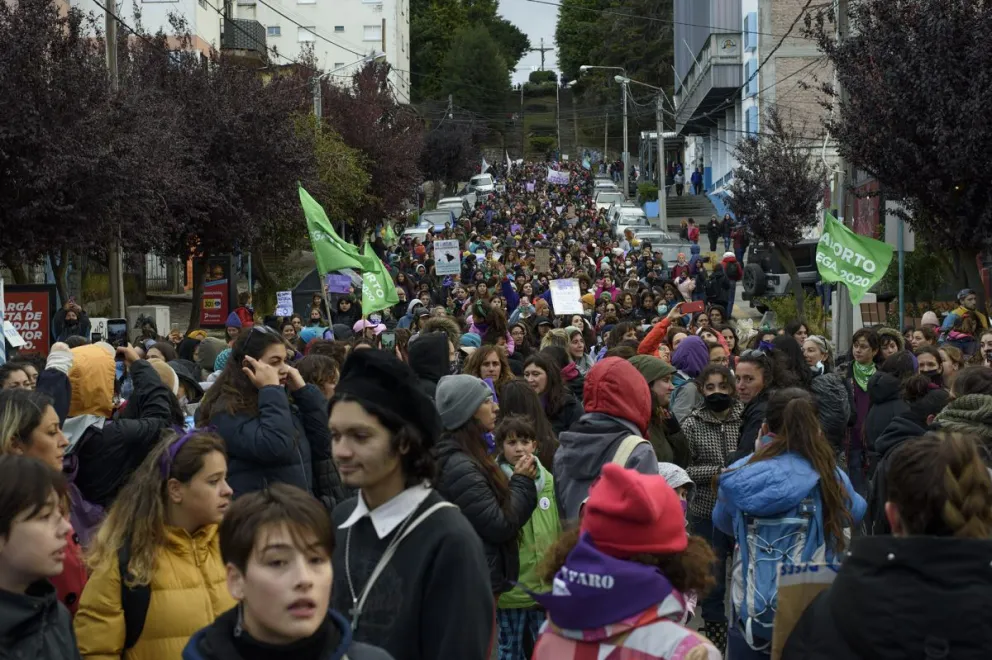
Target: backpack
[772, 542]
[734, 270]
[134, 600]
[626, 448]
[712, 290]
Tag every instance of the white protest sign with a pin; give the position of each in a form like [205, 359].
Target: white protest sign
[284, 303]
[446, 257]
[565, 297]
[14, 338]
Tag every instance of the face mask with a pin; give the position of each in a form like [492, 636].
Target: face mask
[718, 401]
[988, 356]
[934, 376]
[685, 507]
[817, 368]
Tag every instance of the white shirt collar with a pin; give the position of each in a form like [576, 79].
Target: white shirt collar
[388, 516]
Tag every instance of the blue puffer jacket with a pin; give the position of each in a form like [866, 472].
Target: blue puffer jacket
[282, 443]
[767, 489]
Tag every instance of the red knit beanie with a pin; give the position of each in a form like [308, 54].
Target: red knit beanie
[629, 513]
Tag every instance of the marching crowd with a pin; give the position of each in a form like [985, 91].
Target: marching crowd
[468, 472]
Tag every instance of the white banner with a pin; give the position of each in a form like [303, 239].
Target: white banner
[284, 303]
[447, 257]
[554, 176]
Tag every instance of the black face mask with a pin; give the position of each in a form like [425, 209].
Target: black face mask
[718, 401]
[934, 376]
[988, 356]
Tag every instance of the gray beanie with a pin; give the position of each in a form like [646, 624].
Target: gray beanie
[458, 397]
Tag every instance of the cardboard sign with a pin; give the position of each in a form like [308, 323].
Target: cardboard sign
[565, 297]
[30, 309]
[447, 257]
[284, 303]
[542, 260]
[12, 336]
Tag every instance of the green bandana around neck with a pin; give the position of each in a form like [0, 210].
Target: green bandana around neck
[862, 372]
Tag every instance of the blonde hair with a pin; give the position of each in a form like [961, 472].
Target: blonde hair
[555, 337]
[942, 487]
[138, 514]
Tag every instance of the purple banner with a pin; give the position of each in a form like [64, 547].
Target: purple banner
[554, 176]
[338, 283]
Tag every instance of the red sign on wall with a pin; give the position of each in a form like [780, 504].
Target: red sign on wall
[30, 309]
[215, 306]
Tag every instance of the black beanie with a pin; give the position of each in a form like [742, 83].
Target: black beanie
[380, 378]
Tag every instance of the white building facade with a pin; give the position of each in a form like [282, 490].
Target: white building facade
[204, 17]
[341, 33]
[725, 79]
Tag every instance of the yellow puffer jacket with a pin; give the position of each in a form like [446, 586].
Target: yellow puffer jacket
[188, 591]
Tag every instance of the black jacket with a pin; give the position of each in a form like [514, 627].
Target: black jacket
[897, 598]
[570, 412]
[884, 390]
[833, 403]
[284, 442]
[753, 417]
[462, 483]
[104, 457]
[429, 360]
[331, 642]
[718, 287]
[899, 430]
[35, 625]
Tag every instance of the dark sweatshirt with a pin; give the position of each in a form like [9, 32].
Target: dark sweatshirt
[433, 600]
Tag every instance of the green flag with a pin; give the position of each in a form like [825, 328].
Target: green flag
[853, 260]
[330, 250]
[378, 290]
[389, 235]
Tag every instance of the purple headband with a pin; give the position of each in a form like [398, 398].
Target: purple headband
[165, 464]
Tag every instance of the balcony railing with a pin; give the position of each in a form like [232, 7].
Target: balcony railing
[245, 36]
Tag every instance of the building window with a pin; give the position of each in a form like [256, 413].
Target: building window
[339, 28]
[338, 65]
[751, 119]
[306, 35]
[372, 33]
[273, 31]
[750, 69]
[751, 31]
[306, 2]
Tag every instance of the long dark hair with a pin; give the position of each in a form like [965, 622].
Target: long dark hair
[554, 394]
[517, 398]
[233, 392]
[790, 355]
[791, 415]
[469, 437]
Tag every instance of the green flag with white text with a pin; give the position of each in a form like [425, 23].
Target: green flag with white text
[378, 290]
[856, 261]
[331, 251]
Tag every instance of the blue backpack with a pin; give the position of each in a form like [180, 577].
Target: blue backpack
[771, 543]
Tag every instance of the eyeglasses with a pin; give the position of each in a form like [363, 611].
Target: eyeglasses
[754, 354]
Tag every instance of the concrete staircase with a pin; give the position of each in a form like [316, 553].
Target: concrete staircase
[697, 207]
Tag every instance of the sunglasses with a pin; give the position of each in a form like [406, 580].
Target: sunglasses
[754, 354]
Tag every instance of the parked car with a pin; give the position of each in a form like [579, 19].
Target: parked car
[668, 245]
[607, 198]
[470, 197]
[458, 205]
[766, 277]
[626, 215]
[436, 219]
[604, 186]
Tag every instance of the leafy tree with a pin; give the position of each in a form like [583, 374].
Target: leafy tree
[81, 164]
[388, 135]
[927, 147]
[576, 32]
[537, 77]
[474, 71]
[776, 190]
[451, 153]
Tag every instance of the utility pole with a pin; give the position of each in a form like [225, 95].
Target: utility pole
[623, 153]
[116, 275]
[844, 310]
[660, 165]
[542, 50]
[558, 112]
[606, 141]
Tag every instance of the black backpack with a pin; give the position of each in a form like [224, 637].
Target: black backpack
[734, 270]
[134, 600]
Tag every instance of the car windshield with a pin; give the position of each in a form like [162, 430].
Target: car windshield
[481, 181]
[436, 219]
[609, 198]
[635, 220]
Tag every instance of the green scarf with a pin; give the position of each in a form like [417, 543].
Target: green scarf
[862, 372]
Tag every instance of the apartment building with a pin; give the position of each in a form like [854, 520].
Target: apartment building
[205, 17]
[733, 59]
[342, 34]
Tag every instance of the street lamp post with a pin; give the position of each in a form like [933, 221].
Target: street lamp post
[623, 96]
[659, 118]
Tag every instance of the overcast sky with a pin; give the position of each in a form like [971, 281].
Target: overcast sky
[536, 20]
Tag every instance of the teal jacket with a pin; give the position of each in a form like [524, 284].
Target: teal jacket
[539, 534]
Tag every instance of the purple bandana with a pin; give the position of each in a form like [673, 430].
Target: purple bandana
[593, 590]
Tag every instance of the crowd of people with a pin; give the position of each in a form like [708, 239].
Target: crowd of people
[467, 472]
